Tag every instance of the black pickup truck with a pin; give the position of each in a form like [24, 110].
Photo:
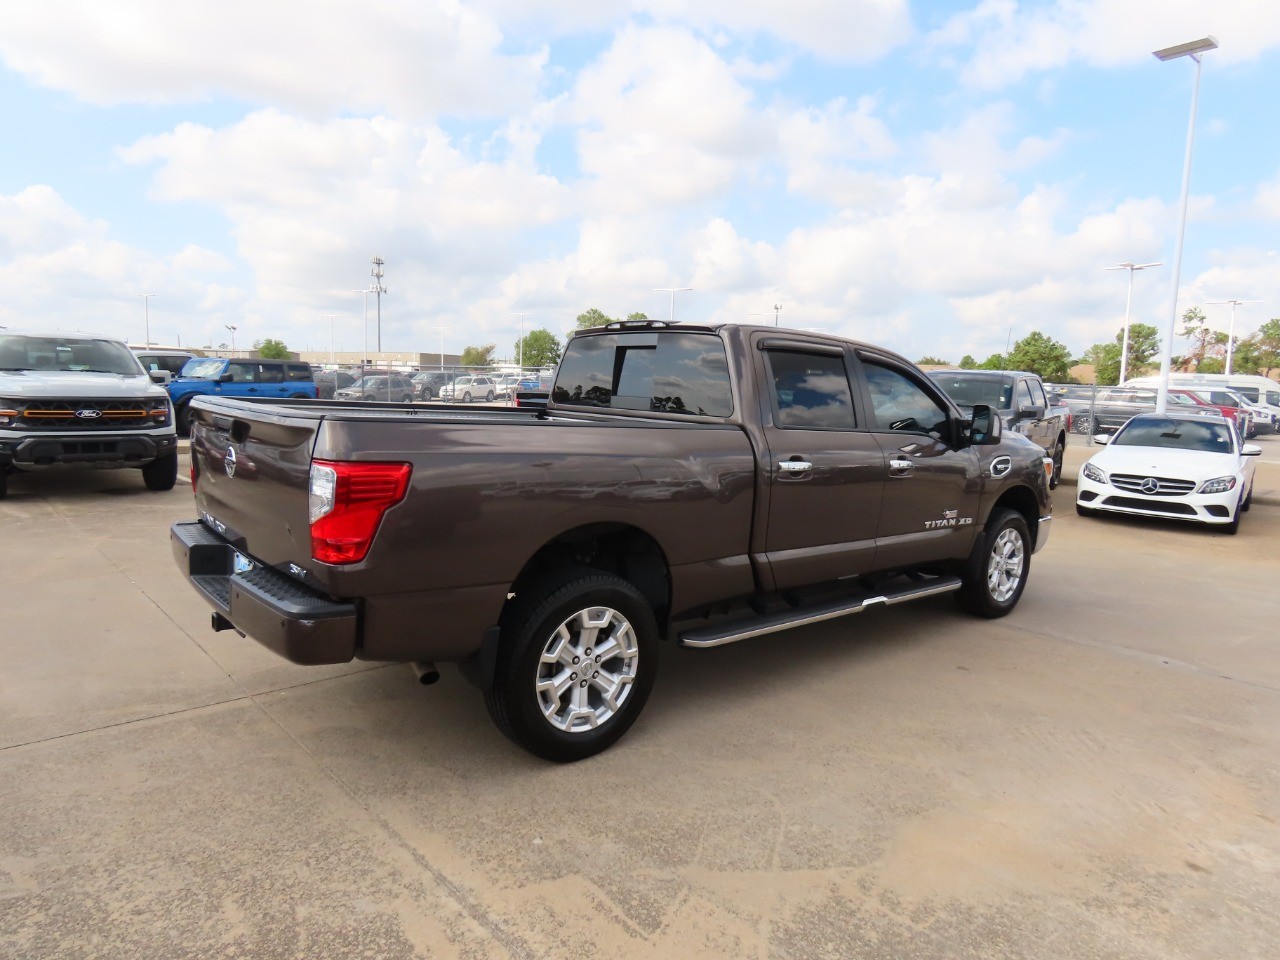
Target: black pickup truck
[1022, 402]
[704, 484]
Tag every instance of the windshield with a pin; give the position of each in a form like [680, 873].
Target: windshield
[67, 354]
[969, 391]
[203, 369]
[1209, 436]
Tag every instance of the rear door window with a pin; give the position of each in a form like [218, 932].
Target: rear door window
[810, 390]
[298, 372]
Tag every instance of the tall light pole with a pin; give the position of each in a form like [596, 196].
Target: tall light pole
[1124, 348]
[379, 289]
[673, 291]
[332, 317]
[232, 327]
[364, 358]
[777, 309]
[146, 313]
[1231, 331]
[521, 340]
[1193, 50]
[442, 330]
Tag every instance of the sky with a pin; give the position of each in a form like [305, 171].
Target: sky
[940, 178]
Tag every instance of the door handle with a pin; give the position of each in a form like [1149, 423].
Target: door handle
[900, 468]
[794, 466]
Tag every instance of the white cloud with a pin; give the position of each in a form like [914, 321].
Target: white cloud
[1011, 40]
[411, 58]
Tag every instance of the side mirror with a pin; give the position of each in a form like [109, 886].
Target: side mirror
[986, 427]
[1035, 412]
[1251, 450]
[1102, 439]
[161, 377]
[227, 377]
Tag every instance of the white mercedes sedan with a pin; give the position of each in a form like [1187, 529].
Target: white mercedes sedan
[1173, 465]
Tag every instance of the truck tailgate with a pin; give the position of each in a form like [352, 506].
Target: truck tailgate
[251, 472]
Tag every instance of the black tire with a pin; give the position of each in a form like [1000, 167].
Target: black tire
[161, 473]
[1082, 424]
[1059, 449]
[466, 397]
[183, 415]
[407, 398]
[1248, 500]
[489, 397]
[531, 626]
[1232, 528]
[4, 483]
[1004, 543]
[298, 396]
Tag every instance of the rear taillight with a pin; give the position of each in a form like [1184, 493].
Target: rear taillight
[345, 504]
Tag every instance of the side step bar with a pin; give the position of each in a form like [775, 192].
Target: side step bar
[721, 634]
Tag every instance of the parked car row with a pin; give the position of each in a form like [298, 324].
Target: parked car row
[1097, 410]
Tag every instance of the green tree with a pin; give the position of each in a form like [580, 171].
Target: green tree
[1037, 353]
[272, 349]
[1144, 345]
[479, 356]
[540, 348]
[1203, 341]
[932, 362]
[1260, 351]
[593, 318]
[1105, 359]
[968, 363]
[994, 362]
[637, 316]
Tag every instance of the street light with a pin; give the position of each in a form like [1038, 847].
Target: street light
[673, 291]
[1124, 349]
[146, 312]
[332, 317]
[1193, 50]
[521, 340]
[777, 309]
[1231, 331]
[232, 327]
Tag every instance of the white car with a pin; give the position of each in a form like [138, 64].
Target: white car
[469, 387]
[1174, 465]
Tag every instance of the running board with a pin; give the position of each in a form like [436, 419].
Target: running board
[801, 616]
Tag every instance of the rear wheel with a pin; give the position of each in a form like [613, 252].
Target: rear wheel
[1082, 424]
[161, 473]
[577, 660]
[996, 572]
[489, 396]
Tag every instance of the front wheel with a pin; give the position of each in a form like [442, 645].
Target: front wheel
[577, 660]
[161, 473]
[1082, 424]
[1058, 450]
[489, 397]
[466, 397]
[184, 416]
[996, 572]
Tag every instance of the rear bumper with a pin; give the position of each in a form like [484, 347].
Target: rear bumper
[281, 613]
[89, 450]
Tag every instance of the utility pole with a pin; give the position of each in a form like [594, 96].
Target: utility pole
[1128, 303]
[332, 317]
[232, 327]
[379, 289]
[777, 309]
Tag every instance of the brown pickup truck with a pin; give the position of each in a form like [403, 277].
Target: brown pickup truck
[703, 484]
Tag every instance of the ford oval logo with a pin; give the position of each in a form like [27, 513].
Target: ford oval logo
[229, 462]
[87, 414]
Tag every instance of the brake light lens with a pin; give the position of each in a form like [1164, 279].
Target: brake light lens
[345, 504]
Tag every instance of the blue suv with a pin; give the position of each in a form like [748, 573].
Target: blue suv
[219, 376]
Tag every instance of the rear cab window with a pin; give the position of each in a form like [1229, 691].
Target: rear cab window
[671, 372]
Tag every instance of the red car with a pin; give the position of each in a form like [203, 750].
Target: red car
[1241, 417]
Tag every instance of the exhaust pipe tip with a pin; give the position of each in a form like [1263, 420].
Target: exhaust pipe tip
[427, 672]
